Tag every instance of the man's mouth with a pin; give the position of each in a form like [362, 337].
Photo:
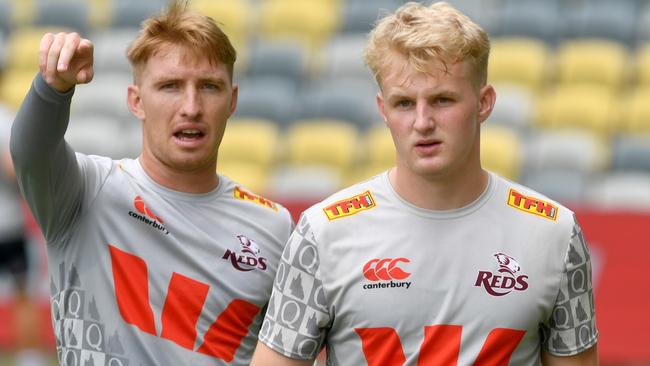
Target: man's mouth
[188, 134]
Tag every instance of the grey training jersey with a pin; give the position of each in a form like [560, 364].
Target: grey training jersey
[141, 274]
[381, 282]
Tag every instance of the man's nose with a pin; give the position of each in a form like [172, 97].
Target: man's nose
[424, 117]
[192, 105]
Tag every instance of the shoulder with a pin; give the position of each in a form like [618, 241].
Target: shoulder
[347, 206]
[256, 206]
[526, 205]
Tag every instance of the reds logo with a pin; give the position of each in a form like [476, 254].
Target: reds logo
[500, 285]
[386, 269]
[249, 258]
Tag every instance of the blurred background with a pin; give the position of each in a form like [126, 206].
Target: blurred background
[572, 120]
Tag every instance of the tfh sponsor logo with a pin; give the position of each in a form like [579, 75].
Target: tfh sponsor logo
[247, 196]
[505, 280]
[145, 215]
[248, 258]
[532, 205]
[386, 273]
[350, 206]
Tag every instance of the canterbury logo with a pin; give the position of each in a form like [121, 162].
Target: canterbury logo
[139, 205]
[146, 216]
[247, 196]
[350, 206]
[385, 269]
[532, 205]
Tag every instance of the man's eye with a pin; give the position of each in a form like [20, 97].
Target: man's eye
[443, 100]
[210, 86]
[404, 104]
[168, 86]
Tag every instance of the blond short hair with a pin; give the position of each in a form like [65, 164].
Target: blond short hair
[199, 34]
[423, 34]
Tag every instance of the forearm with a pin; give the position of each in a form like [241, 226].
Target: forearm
[46, 167]
[586, 358]
[265, 356]
[40, 124]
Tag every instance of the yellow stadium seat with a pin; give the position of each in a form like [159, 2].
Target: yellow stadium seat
[636, 114]
[234, 16]
[14, 86]
[501, 151]
[592, 61]
[380, 148]
[312, 22]
[520, 61]
[249, 175]
[378, 155]
[328, 143]
[588, 107]
[250, 141]
[643, 64]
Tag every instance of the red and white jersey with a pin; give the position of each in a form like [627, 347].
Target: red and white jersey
[379, 281]
[141, 274]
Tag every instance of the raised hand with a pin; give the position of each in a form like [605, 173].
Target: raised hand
[65, 60]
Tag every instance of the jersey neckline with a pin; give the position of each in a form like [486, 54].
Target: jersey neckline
[215, 193]
[441, 214]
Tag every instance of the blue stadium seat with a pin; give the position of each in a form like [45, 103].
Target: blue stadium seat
[271, 98]
[348, 99]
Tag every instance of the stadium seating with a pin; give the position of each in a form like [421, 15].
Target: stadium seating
[590, 61]
[529, 18]
[346, 98]
[359, 16]
[14, 86]
[311, 22]
[110, 49]
[523, 61]
[105, 95]
[342, 57]
[285, 59]
[636, 111]
[514, 107]
[621, 191]
[501, 150]
[379, 154]
[269, 97]
[613, 20]
[642, 64]
[72, 14]
[631, 153]
[568, 150]
[589, 107]
[236, 18]
[250, 141]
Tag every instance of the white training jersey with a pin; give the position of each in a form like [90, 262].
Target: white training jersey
[381, 282]
[141, 274]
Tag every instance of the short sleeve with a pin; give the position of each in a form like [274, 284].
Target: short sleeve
[297, 316]
[572, 327]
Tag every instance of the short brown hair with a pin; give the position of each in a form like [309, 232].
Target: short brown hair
[425, 33]
[199, 34]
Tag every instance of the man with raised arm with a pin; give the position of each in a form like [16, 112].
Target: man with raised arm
[157, 260]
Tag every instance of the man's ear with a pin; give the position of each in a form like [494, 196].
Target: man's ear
[233, 101]
[381, 107]
[487, 98]
[134, 102]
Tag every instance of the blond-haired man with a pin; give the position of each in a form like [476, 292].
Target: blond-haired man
[436, 261]
[158, 260]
